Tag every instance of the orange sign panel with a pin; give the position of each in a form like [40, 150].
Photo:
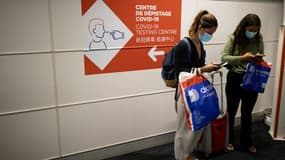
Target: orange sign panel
[127, 35]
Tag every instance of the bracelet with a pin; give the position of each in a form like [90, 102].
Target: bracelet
[198, 70]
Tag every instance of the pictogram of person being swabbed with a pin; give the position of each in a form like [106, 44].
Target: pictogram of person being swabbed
[98, 34]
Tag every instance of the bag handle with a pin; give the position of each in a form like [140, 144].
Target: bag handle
[222, 91]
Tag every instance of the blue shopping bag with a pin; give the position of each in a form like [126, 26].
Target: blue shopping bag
[256, 76]
[200, 99]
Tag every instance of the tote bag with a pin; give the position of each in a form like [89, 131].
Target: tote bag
[256, 76]
[200, 99]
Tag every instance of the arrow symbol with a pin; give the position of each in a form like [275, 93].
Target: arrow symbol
[153, 53]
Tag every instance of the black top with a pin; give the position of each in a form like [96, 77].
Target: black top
[181, 57]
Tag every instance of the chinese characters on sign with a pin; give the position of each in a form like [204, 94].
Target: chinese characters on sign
[128, 35]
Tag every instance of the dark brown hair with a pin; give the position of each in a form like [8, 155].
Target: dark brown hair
[206, 19]
[240, 39]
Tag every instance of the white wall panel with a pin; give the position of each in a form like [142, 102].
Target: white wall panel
[26, 82]
[265, 100]
[24, 26]
[229, 14]
[75, 87]
[67, 24]
[270, 49]
[283, 13]
[189, 11]
[213, 53]
[29, 136]
[96, 125]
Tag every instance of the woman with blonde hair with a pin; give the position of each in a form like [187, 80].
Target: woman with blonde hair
[201, 30]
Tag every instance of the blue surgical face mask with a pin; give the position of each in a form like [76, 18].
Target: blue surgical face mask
[205, 37]
[250, 35]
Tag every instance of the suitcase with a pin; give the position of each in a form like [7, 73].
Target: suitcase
[214, 138]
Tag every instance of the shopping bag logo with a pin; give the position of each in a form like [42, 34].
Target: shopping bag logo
[194, 95]
[256, 76]
[200, 100]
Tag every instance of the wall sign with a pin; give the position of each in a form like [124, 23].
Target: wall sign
[127, 35]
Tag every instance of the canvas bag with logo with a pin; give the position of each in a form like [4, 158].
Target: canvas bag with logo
[256, 76]
[200, 99]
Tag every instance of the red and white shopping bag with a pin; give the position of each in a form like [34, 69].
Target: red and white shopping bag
[200, 99]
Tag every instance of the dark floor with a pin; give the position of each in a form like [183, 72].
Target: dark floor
[267, 149]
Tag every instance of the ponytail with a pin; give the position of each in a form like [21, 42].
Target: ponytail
[206, 19]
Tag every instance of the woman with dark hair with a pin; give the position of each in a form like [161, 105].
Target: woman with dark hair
[201, 30]
[243, 46]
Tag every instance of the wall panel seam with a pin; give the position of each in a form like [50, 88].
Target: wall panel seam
[54, 78]
[53, 51]
[57, 106]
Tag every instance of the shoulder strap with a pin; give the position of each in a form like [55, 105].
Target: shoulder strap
[176, 95]
[189, 49]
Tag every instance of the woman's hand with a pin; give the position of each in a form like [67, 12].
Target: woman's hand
[248, 56]
[209, 68]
